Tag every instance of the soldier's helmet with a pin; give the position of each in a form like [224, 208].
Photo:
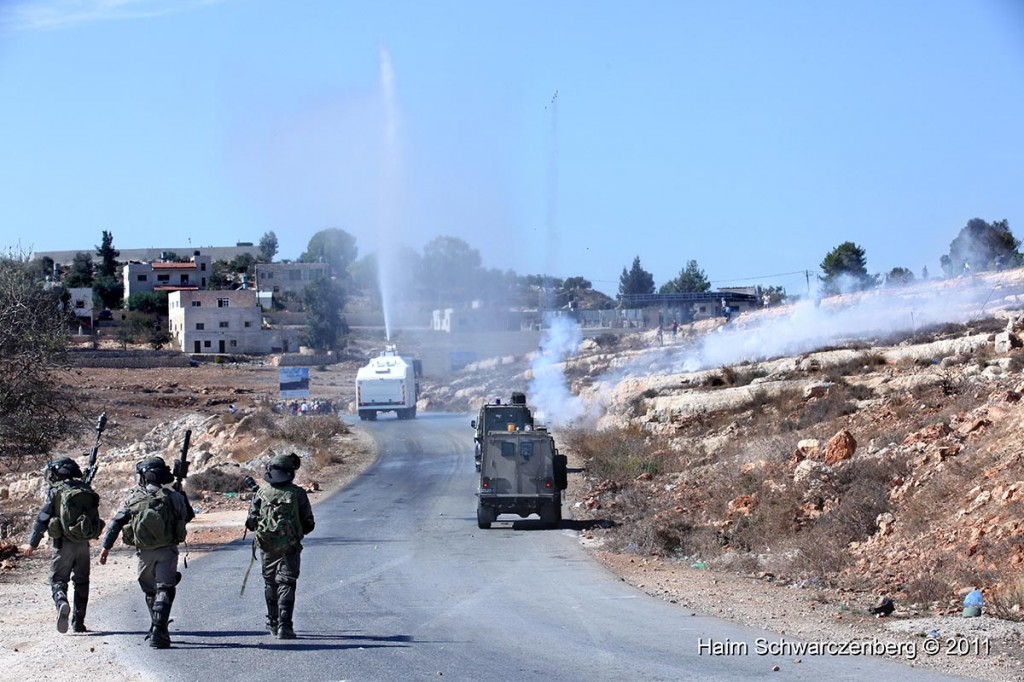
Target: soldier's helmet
[63, 469]
[153, 470]
[282, 468]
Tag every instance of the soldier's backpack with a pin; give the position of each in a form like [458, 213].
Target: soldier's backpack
[76, 512]
[279, 529]
[152, 522]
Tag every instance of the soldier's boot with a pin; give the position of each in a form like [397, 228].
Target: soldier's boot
[81, 604]
[150, 597]
[60, 600]
[270, 595]
[285, 607]
[159, 637]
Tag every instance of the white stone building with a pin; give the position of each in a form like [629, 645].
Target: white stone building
[167, 276]
[228, 321]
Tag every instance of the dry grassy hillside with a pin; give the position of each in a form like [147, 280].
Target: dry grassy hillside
[883, 457]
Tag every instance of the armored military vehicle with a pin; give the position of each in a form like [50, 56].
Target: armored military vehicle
[499, 416]
[521, 473]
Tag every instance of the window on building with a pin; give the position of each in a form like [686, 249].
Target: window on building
[202, 267]
[200, 326]
[206, 344]
[233, 343]
[295, 275]
[223, 324]
[80, 304]
[248, 324]
[163, 278]
[223, 302]
[197, 304]
[141, 278]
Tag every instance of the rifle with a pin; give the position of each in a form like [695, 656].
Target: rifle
[181, 464]
[90, 471]
[252, 485]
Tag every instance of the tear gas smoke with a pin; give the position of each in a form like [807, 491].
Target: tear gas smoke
[808, 325]
[554, 403]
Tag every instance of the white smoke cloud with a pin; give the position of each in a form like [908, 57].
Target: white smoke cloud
[810, 325]
[554, 404]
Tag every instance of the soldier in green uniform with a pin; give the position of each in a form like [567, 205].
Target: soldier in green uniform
[153, 519]
[71, 518]
[280, 516]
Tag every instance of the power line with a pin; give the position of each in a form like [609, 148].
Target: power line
[760, 277]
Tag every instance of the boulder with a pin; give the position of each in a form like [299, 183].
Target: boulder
[840, 448]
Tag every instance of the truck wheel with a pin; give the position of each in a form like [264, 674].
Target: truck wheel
[412, 412]
[484, 516]
[551, 515]
[372, 416]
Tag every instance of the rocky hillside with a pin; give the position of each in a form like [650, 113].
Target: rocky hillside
[868, 441]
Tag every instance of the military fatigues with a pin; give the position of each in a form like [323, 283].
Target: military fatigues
[281, 571]
[157, 567]
[70, 562]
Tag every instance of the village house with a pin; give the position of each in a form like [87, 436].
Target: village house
[140, 277]
[277, 278]
[224, 321]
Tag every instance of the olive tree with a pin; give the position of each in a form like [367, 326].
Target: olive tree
[36, 407]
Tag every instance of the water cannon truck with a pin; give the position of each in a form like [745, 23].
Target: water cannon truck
[388, 384]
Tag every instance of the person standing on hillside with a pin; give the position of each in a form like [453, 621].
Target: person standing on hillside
[280, 516]
[70, 516]
[153, 519]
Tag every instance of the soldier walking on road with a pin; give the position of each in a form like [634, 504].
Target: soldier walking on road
[280, 516]
[153, 519]
[70, 516]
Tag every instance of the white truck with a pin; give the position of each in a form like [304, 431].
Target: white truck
[387, 384]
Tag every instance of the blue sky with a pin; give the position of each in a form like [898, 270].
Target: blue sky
[752, 137]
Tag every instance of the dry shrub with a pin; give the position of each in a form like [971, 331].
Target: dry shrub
[926, 589]
[1007, 601]
[620, 454]
[832, 405]
[775, 517]
[262, 420]
[219, 480]
[312, 431]
[674, 536]
[926, 505]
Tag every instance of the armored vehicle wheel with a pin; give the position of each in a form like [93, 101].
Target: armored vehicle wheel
[551, 515]
[484, 516]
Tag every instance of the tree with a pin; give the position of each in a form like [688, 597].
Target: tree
[899, 277]
[573, 283]
[43, 268]
[150, 302]
[335, 247]
[635, 281]
[36, 409]
[108, 256]
[80, 274]
[109, 291]
[324, 301]
[983, 246]
[691, 279]
[453, 269]
[845, 269]
[268, 247]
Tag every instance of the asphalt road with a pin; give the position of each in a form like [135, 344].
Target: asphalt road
[398, 583]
